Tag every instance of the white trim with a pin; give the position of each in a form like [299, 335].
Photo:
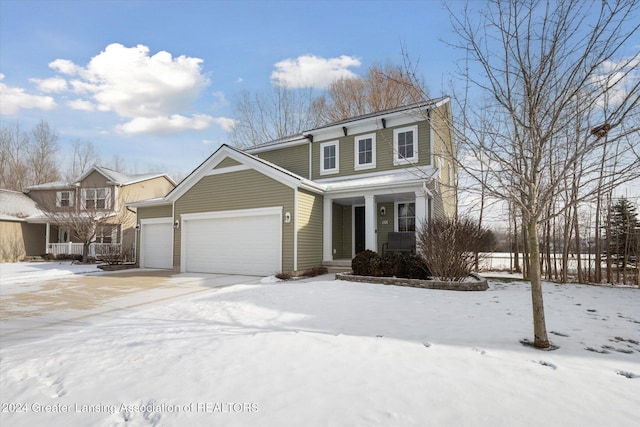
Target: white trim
[356, 150]
[396, 154]
[327, 229]
[165, 220]
[353, 228]
[336, 169]
[395, 212]
[295, 229]
[230, 169]
[234, 213]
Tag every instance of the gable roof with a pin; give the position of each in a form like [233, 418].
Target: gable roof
[16, 206]
[113, 177]
[118, 178]
[246, 161]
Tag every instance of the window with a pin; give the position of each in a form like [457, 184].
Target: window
[365, 152]
[105, 234]
[329, 158]
[64, 199]
[405, 145]
[406, 216]
[96, 198]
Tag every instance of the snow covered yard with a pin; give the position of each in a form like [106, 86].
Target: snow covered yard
[341, 354]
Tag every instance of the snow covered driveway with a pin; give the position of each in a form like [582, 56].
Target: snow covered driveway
[329, 353]
[41, 299]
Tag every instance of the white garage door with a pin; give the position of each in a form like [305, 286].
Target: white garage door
[156, 243]
[233, 242]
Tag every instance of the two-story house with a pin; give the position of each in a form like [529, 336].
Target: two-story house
[325, 194]
[96, 199]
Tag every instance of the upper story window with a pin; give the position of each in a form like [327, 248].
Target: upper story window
[365, 151]
[64, 199]
[329, 158]
[96, 198]
[405, 145]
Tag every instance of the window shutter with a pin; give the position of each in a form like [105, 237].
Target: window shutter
[107, 198]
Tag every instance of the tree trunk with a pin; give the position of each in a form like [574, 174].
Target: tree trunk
[539, 325]
[85, 252]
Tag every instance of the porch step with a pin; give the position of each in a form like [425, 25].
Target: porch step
[337, 265]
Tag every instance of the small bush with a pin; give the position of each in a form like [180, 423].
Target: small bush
[449, 246]
[284, 275]
[392, 264]
[315, 271]
[366, 263]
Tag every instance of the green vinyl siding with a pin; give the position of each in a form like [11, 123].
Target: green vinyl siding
[384, 152]
[337, 232]
[227, 163]
[309, 222]
[149, 212]
[293, 158]
[342, 231]
[385, 229]
[247, 189]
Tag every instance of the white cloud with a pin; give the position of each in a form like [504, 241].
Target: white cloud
[225, 123]
[162, 124]
[13, 99]
[219, 100]
[313, 71]
[152, 91]
[54, 84]
[81, 104]
[65, 66]
[617, 80]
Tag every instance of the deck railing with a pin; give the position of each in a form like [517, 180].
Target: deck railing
[95, 249]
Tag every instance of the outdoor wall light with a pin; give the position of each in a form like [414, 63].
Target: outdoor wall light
[383, 211]
[287, 217]
[176, 224]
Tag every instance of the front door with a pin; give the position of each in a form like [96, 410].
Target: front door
[358, 229]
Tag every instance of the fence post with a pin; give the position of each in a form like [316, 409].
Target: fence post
[69, 248]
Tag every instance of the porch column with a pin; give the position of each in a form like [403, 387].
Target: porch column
[422, 211]
[327, 230]
[370, 240]
[47, 237]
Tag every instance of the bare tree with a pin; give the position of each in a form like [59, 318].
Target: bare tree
[269, 116]
[84, 214]
[284, 112]
[42, 149]
[13, 158]
[84, 155]
[543, 69]
[382, 88]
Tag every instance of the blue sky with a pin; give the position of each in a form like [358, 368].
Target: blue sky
[155, 81]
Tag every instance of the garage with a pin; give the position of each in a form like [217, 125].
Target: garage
[247, 241]
[156, 243]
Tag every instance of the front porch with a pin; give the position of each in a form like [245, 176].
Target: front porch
[353, 223]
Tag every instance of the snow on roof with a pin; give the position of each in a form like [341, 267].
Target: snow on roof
[120, 178]
[55, 185]
[388, 179]
[114, 177]
[16, 206]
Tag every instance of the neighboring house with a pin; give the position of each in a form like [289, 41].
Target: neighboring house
[320, 196]
[19, 238]
[100, 196]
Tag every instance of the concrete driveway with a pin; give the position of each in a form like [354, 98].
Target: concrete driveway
[36, 310]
